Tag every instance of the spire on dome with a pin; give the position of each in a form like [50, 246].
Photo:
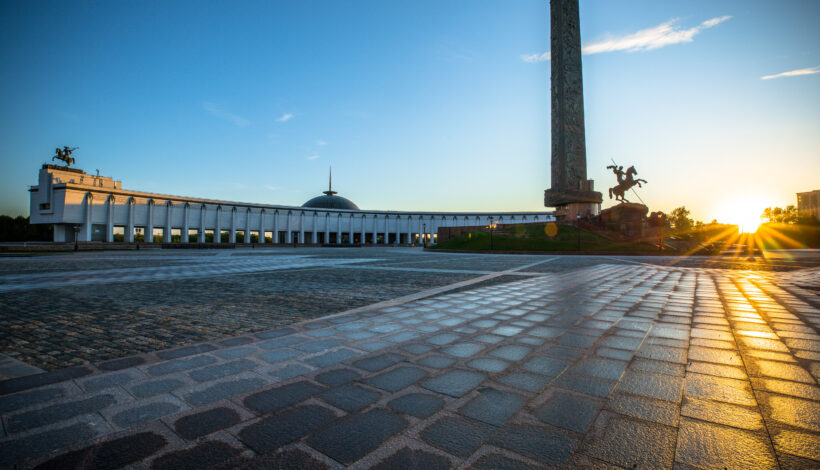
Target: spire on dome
[330, 191]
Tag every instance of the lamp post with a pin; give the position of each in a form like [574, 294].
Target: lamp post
[578, 229]
[423, 237]
[493, 225]
[76, 237]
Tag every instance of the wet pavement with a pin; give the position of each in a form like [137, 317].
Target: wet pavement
[477, 362]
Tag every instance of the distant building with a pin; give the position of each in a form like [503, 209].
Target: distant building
[808, 204]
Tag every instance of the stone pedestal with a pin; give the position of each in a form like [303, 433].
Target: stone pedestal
[626, 218]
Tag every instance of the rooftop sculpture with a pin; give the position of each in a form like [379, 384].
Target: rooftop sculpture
[64, 154]
[626, 181]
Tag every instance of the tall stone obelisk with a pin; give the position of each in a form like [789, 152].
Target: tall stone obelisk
[571, 194]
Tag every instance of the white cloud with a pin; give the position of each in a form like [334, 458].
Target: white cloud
[215, 110]
[793, 73]
[321, 143]
[656, 37]
[285, 117]
[271, 187]
[313, 157]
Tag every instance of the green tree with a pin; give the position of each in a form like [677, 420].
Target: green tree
[777, 215]
[680, 220]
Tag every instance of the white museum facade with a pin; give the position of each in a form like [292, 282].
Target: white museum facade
[88, 208]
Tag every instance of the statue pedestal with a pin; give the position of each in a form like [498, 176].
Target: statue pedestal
[571, 203]
[626, 218]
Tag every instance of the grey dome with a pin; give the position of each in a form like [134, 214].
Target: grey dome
[329, 201]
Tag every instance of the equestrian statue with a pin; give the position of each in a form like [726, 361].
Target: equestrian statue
[626, 181]
[64, 154]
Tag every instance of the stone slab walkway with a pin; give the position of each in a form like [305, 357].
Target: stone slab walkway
[610, 366]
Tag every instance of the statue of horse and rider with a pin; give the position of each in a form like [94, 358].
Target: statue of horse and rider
[626, 181]
[64, 154]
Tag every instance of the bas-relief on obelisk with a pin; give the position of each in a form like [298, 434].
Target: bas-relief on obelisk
[571, 193]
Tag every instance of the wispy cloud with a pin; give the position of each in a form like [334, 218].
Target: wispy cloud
[271, 187]
[215, 110]
[793, 73]
[656, 37]
[285, 117]
[313, 157]
[321, 143]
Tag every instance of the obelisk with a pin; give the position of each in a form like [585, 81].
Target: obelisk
[572, 194]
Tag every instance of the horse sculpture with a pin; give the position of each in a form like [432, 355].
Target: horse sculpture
[64, 154]
[625, 181]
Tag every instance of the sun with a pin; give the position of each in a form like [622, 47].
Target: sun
[744, 213]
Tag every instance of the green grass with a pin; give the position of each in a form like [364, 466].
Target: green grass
[534, 238]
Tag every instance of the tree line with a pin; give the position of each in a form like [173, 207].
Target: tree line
[19, 229]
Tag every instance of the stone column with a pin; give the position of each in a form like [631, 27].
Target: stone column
[571, 192]
[166, 232]
[200, 233]
[275, 237]
[289, 234]
[247, 225]
[375, 229]
[183, 236]
[350, 227]
[327, 227]
[109, 222]
[149, 228]
[262, 226]
[301, 227]
[129, 229]
[85, 234]
[338, 229]
[361, 235]
[217, 230]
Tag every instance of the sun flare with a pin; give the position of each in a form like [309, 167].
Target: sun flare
[744, 213]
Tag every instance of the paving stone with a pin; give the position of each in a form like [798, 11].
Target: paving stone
[378, 363]
[110, 454]
[585, 384]
[178, 365]
[457, 436]
[545, 365]
[779, 370]
[649, 365]
[488, 364]
[630, 443]
[529, 382]
[420, 405]
[456, 382]
[349, 397]
[332, 357]
[397, 378]
[289, 371]
[279, 355]
[239, 340]
[576, 341]
[569, 411]
[222, 370]
[714, 446]
[186, 351]
[784, 387]
[122, 363]
[511, 353]
[103, 381]
[144, 413]
[442, 339]
[416, 348]
[38, 380]
[338, 377]
[155, 387]
[663, 387]
[407, 458]
[209, 454]
[508, 330]
[612, 353]
[500, 462]
[223, 390]
[662, 353]
[282, 342]
[200, 424]
[402, 337]
[439, 362]
[53, 413]
[39, 444]
[351, 438]
[659, 411]
[276, 431]
[373, 345]
[281, 397]
[28, 398]
[463, 349]
[317, 346]
[489, 339]
[602, 368]
[546, 332]
[722, 413]
[493, 406]
[536, 442]
[275, 333]
[797, 442]
[733, 391]
[793, 411]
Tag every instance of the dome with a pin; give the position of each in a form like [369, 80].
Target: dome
[330, 201]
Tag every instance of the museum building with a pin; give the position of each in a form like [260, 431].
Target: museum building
[88, 208]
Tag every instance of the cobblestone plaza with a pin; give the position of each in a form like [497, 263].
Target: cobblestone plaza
[399, 358]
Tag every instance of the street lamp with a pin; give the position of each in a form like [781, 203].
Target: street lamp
[423, 238]
[493, 225]
[76, 237]
[578, 229]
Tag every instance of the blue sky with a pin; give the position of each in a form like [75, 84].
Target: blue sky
[423, 105]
